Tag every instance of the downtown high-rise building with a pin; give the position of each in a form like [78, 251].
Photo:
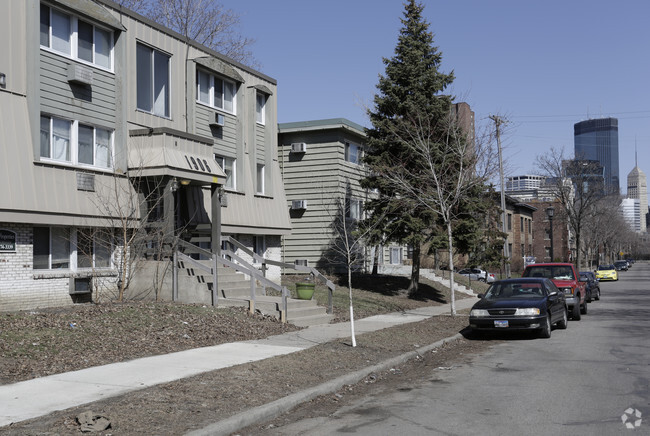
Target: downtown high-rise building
[597, 140]
[637, 188]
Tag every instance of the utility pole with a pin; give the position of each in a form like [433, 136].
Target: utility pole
[506, 252]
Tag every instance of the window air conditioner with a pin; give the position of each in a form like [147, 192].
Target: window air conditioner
[80, 74]
[298, 147]
[219, 121]
[299, 204]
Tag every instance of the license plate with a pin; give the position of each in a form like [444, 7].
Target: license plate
[498, 323]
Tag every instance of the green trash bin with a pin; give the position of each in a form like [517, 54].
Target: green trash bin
[305, 291]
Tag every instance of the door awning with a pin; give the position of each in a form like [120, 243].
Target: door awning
[166, 152]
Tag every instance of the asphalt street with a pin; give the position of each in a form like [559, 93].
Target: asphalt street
[591, 379]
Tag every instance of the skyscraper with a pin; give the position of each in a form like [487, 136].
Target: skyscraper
[637, 188]
[598, 140]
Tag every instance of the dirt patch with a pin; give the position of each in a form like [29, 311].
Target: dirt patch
[193, 403]
[50, 341]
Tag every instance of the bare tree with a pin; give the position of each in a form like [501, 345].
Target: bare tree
[348, 241]
[449, 170]
[207, 22]
[578, 186]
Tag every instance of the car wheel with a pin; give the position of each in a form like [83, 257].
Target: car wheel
[598, 295]
[564, 322]
[583, 308]
[588, 297]
[575, 313]
[546, 328]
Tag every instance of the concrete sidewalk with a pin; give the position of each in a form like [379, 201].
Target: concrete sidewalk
[41, 396]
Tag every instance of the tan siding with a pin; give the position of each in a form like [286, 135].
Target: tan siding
[57, 96]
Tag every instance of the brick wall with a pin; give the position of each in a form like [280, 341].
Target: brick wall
[20, 288]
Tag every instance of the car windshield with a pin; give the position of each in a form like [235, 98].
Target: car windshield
[499, 291]
[605, 267]
[560, 272]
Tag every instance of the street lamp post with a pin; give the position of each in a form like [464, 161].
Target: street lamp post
[550, 211]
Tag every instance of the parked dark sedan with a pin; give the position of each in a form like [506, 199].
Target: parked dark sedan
[593, 287]
[520, 304]
[620, 265]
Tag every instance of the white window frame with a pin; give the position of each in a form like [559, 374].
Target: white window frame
[226, 164]
[73, 38]
[260, 108]
[350, 156]
[72, 148]
[146, 86]
[95, 248]
[228, 89]
[353, 208]
[66, 241]
[395, 255]
[261, 185]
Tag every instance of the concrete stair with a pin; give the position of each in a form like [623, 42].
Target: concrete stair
[235, 290]
[445, 281]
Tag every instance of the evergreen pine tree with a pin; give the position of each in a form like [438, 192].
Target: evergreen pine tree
[412, 84]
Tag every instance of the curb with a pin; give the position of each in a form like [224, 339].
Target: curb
[285, 404]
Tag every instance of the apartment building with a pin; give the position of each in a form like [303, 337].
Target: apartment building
[321, 163]
[114, 125]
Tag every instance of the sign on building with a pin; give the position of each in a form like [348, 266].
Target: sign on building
[7, 240]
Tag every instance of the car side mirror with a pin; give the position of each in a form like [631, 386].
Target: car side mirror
[481, 295]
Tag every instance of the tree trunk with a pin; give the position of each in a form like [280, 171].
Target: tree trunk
[414, 286]
[451, 269]
[375, 264]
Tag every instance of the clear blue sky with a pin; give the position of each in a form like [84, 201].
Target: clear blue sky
[543, 65]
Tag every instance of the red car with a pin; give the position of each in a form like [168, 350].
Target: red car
[567, 279]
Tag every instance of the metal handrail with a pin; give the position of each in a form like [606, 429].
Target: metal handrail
[307, 269]
[240, 265]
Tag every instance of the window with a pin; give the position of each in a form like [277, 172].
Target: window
[215, 92]
[260, 104]
[229, 166]
[76, 38]
[76, 143]
[352, 153]
[53, 248]
[353, 208]
[521, 224]
[395, 256]
[509, 222]
[93, 251]
[152, 81]
[260, 178]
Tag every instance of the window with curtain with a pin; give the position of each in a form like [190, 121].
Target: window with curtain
[152, 78]
[215, 92]
[53, 248]
[353, 208]
[71, 36]
[75, 143]
[352, 153]
[229, 166]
